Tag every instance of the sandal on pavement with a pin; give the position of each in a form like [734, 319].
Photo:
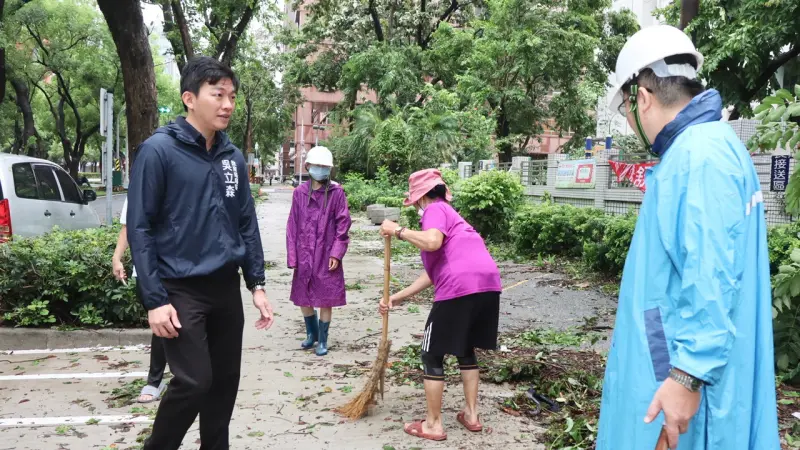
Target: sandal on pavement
[153, 392]
[475, 427]
[415, 429]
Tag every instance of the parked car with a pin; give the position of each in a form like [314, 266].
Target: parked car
[36, 195]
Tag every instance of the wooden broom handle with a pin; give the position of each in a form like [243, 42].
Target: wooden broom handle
[387, 279]
[662, 443]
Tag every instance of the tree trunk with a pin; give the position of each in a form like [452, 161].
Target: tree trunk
[183, 27]
[506, 149]
[2, 69]
[226, 48]
[18, 143]
[125, 21]
[248, 129]
[73, 167]
[23, 97]
[169, 31]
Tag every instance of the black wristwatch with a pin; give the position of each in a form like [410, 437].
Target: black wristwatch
[684, 379]
[257, 285]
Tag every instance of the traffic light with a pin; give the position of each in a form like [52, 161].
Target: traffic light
[164, 110]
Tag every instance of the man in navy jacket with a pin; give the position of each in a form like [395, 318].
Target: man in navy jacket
[191, 226]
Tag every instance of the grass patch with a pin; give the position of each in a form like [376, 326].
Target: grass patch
[357, 286]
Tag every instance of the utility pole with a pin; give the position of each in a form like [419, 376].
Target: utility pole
[107, 130]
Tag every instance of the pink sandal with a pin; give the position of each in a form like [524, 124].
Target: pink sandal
[415, 429]
[474, 427]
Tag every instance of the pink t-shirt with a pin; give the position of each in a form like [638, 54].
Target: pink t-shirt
[463, 265]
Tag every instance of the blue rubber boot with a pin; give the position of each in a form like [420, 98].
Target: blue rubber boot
[322, 348]
[312, 332]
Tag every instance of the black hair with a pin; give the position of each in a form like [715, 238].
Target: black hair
[440, 191]
[204, 69]
[669, 90]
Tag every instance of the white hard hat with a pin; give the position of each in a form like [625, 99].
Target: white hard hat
[320, 156]
[647, 49]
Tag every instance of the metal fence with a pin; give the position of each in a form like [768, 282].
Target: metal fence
[620, 197]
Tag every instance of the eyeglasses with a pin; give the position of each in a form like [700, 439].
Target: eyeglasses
[623, 109]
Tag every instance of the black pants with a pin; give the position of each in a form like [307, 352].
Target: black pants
[158, 362]
[205, 359]
[158, 359]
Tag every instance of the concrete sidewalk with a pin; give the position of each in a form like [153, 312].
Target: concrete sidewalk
[285, 396]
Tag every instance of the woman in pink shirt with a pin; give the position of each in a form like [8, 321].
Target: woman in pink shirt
[466, 306]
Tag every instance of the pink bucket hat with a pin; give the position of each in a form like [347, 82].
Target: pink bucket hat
[421, 182]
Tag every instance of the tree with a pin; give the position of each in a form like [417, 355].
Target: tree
[71, 58]
[215, 27]
[125, 21]
[264, 109]
[524, 64]
[21, 92]
[744, 42]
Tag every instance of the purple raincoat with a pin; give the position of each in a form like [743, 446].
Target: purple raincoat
[313, 235]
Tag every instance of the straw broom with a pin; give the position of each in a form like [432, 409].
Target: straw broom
[359, 406]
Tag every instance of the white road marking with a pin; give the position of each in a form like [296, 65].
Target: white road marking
[73, 420]
[72, 376]
[127, 348]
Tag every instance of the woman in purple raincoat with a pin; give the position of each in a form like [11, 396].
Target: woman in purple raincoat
[316, 241]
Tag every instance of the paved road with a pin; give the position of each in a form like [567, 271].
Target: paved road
[99, 205]
[59, 400]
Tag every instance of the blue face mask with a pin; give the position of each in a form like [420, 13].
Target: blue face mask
[319, 173]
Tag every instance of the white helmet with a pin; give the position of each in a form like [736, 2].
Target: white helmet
[647, 49]
[320, 156]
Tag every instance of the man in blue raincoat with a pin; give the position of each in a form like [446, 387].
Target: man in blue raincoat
[693, 335]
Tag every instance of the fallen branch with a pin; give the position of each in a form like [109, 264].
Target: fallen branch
[28, 360]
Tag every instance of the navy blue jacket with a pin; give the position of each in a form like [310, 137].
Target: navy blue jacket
[190, 211]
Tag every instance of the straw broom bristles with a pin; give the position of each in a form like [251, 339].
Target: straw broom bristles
[359, 406]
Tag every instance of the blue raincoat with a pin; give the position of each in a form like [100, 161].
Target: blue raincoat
[696, 294]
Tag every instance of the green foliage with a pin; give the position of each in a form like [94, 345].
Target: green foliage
[75, 57]
[410, 218]
[362, 192]
[781, 240]
[33, 314]
[780, 128]
[779, 115]
[744, 43]
[786, 316]
[64, 278]
[489, 201]
[448, 78]
[261, 102]
[553, 229]
[606, 251]
[413, 137]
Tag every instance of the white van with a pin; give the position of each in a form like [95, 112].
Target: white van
[36, 195]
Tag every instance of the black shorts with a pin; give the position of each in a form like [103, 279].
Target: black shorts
[460, 325]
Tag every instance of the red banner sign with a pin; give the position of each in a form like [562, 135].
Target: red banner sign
[631, 172]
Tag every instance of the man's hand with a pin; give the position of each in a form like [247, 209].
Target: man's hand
[118, 269]
[262, 305]
[388, 228]
[164, 321]
[679, 405]
[333, 264]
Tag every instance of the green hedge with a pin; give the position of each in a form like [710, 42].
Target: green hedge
[489, 202]
[601, 240]
[64, 278]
